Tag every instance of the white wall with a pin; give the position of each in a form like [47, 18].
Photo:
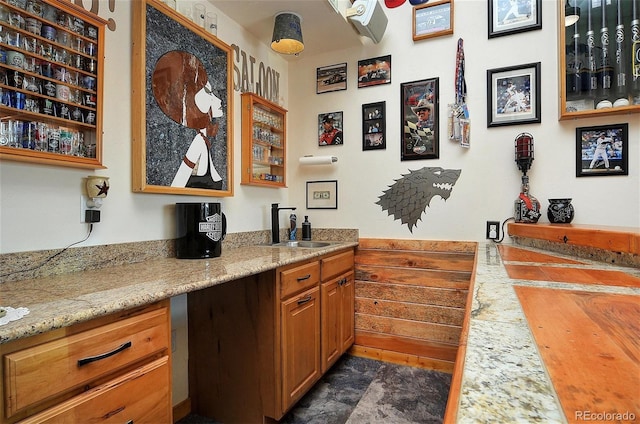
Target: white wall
[490, 180]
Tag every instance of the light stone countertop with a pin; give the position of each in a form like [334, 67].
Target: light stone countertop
[504, 379]
[66, 299]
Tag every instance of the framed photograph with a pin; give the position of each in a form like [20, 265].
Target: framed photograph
[330, 129]
[602, 150]
[419, 116]
[182, 95]
[375, 71]
[433, 19]
[331, 78]
[513, 95]
[513, 16]
[373, 126]
[322, 194]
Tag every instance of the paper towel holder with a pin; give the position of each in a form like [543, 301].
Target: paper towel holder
[318, 160]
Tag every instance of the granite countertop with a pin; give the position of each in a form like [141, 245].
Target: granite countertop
[66, 299]
[504, 378]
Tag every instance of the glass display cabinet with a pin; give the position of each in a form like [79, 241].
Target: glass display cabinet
[51, 73]
[599, 57]
[263, 142]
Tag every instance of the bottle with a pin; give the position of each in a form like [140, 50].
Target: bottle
[306, 229]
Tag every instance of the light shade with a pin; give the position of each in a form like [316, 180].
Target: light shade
[287, 33]
[571, 14]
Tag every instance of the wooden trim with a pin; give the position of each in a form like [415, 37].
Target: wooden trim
[401, 358]
[181, 410]
[451, 411]
[615, 239]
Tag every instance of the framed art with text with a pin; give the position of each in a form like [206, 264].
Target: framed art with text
[419, 120]
[433, 19]
[602, 150]
[322, 194]
[182, 97]
[513, 95]
[373, 126]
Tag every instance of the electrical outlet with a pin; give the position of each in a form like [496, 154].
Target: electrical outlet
[493, 230]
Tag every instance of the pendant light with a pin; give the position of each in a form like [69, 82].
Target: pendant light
[287, 33]
[571, 13]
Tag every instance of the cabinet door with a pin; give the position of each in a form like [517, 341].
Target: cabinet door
[338, 296]
[300, 345]
[331, 326]
[347, 309]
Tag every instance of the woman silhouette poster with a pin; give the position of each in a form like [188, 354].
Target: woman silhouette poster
[182, 128]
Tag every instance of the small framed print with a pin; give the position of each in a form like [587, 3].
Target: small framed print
[602, 150]
[513, 16]
[375, 71]
[513, 95]
[433, 20]
[419, 120]
[330, 129]
[373, 126]
[331, 78]
[322, 194]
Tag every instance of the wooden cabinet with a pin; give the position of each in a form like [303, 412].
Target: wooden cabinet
[338, 307]
[102, 368]
[599, 65]
[51, 82]
[256, 344]
[264, 127]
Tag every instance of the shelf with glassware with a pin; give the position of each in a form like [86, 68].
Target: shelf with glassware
[599, 59]
[51, 83]
[263, 142]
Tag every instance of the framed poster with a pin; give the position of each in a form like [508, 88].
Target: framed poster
[373, 126]
[182, 95]
[513, 16]
[322, 194]
[330, 129]
[433, 20]
[602, 150]
[331, 78]
[513, 95]
[374, 71]
[419, 116]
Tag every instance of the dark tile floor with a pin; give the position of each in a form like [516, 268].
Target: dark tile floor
[362, 391]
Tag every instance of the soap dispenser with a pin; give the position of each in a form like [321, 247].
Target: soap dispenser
[306, 229]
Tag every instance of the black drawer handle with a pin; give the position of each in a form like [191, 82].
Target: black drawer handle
[304, 300]
[306, 277]
[90, 359]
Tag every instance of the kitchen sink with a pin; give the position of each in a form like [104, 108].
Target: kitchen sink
[305, 244]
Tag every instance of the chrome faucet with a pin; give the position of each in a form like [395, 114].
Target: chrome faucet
[275, 222]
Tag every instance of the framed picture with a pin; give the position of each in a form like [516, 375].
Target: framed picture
[602, 150]
[330, 129]
[513, 95]
[375, 71]
[419, 116]
[433, 20]
[322, 194]
[513, 16]
[182, 95]
[373, 126]
[331, 78]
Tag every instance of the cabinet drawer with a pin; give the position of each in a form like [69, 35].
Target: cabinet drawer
[73, 361]
[337, 264]
[300, 278]
[140, 396]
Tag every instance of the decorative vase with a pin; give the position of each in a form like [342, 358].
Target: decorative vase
[560, 211]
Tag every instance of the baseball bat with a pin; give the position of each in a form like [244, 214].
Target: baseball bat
[635, 53]
[620, 70]
[605, 71]
[592, 76]
[574, 66]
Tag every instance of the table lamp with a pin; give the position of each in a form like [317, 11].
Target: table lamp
[527, 207]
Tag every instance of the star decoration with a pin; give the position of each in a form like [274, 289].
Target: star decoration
[104, 188]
